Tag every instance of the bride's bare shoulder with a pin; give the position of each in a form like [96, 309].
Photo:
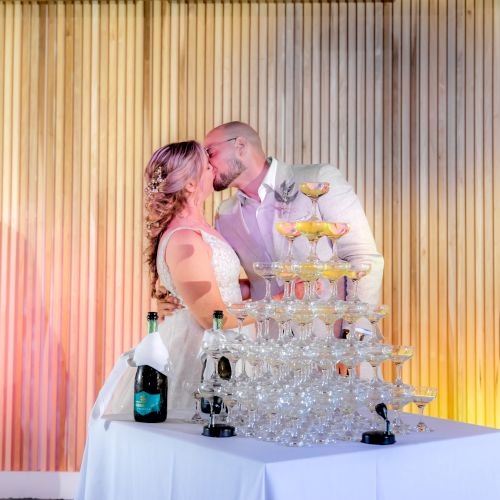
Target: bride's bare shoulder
[184, 243]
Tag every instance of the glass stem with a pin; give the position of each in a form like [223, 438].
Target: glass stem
[281, 329]
[266, 329]
[330, 329]
[335, 255]
[287, 290]
[259, 329]
[307, 290]
[314, 209]
[398, 374]
[421, 412]
[376, 336]
[312, 254]
[396, 422]
[333, 290]
[355, 291]
[267, 298]
[289, 256]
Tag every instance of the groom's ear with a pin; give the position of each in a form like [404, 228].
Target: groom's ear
[241, 145]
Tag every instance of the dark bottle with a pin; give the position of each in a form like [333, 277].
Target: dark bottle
[150, 388]
[223, 368]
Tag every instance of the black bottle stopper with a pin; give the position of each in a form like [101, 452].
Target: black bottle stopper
[380, 437]
[217, 430]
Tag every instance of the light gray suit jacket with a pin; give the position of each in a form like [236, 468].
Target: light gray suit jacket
[340, 204]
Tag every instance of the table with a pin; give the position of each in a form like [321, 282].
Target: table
[127, 460]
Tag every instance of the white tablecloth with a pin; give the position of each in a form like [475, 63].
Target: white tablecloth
[128, 460]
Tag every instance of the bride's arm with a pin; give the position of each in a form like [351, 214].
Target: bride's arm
[189, 260]
[245, 288]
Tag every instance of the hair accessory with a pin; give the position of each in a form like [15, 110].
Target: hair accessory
[152, 225]
[154, 183]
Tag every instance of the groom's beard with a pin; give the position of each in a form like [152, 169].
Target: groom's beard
[222, 181]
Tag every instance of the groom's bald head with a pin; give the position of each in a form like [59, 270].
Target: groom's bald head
[235, 129]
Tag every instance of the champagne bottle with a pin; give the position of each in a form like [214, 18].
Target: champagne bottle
[223, 367]
[151, 387]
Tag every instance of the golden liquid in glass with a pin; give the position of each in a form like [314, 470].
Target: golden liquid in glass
[287, 229]
[284, 271]
[308, 270]
[335, 230]
[314, 189]
[355, 275]
[312, 230]
[333, 274]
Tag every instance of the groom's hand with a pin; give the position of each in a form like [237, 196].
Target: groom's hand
[167, 304]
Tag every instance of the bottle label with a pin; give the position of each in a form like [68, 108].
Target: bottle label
[145, 403]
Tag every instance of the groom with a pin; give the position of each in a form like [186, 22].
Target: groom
[267, 191]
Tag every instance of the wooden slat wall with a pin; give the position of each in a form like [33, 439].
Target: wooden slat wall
[403, 96]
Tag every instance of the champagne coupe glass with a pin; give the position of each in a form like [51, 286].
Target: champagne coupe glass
[313, 190]
[422, 397]
[375, 355]
[352, 355]
[333, 271]
[400, 397]
[230, 400]
[261, 312]
[301, 314]
[334, 231]
[238, 309]
[231, 350]
[309, 272]
[352, 313]
[312, 230]
[282, 317]
[197, 418]
[329, 313]
[265, 270]
[290, 232]
[375, 314]
[400, 354]
[193, 388]
[355, 273]
[285, 273]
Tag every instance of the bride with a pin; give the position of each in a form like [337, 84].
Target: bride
[191, 260]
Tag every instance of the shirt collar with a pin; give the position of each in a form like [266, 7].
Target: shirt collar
[268, 183]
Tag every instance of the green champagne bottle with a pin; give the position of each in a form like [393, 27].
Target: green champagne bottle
[151, 387]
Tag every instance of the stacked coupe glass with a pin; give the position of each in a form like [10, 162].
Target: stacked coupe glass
[296, 383]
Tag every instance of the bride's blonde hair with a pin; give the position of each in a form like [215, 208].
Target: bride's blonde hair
[167, 174]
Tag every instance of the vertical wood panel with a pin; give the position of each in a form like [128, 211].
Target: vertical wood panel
[489, 319]
[402, 96]
[495, 393]
[460, 212]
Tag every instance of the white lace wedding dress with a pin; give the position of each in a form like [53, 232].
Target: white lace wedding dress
[182, 336]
